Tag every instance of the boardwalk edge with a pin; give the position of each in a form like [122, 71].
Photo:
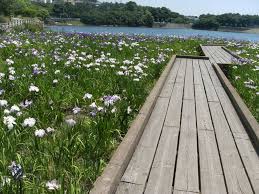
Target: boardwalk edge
[231, 53]
[250, 123]
[110, 178]
[192, 57]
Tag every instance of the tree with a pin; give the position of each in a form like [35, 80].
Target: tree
[148, 19]
[206, 23]
[131, 6]
[6, 7]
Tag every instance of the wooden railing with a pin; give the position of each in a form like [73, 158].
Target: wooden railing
[18, 22]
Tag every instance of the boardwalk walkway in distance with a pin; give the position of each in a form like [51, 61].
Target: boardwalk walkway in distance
[217, 54]
[194, 141]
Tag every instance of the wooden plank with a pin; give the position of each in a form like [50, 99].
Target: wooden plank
[219, 54]
[212, 73]
[244, 145]
[205, 51]
[210, 90]
[129, 188]
[197, 72]
[188, 84]
[162, 171]
[211, 174]
[187, 178]
[231, 115]
[210, 54]
[173, 117]
[202, 109]
[172, 75]
[235, 175]
[228, 57]
[181, 73]
[217, 57]
[169, 84]
[212, 179]
[140, 164]
[250, 160]
[184, 192]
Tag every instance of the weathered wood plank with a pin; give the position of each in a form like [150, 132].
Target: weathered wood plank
[231, 115]
[235, 175]
[173, 117]
[210, 54]
[162, 171]
[169, 84]
[181, 73]
[197, 72]
[184, 192]
[140, 164]
[244, 145]
[172, 75]
[210, 90]
[217, 54]
[211, 174]
[188, 84]
[250, 160]
[202, 109]
[212, 179]
[212, 73]
[129, 188]
[227, 57]
[186, 178]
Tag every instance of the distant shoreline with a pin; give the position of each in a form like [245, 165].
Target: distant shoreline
[168, 26]
[253, 30]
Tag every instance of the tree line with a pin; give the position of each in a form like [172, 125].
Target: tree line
[92, 12]
[214, 22]
[118, 14]
[23, 8]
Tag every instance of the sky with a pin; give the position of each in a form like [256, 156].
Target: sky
[198, 7]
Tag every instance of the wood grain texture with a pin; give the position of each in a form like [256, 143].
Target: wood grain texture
[162, 171]
[235, 175]
[140, 164]
[194, 142]
[186, 177]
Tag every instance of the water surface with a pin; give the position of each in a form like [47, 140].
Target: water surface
[157, 32]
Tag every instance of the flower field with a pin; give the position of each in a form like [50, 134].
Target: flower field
[245, 74]
[67, 100]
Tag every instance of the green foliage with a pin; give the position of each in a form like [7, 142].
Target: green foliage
[129, 14]
[43, 14]
[243, 75]
[74, 155]
[206, 23]
[22, 8]
[118, 14]
[148, 19]
[227, 20]
[6, 7]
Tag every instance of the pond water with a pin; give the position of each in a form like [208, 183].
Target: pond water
[157, 32]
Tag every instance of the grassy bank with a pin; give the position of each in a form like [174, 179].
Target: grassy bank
[67, 100]
[245, 74]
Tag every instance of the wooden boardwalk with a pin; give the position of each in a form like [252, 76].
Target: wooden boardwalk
[217, 54]
[194, 141]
